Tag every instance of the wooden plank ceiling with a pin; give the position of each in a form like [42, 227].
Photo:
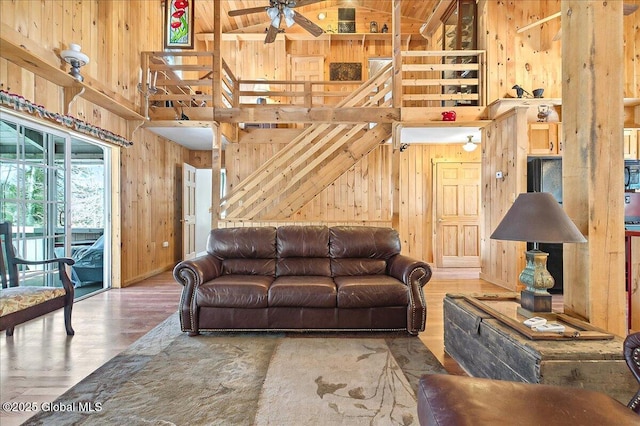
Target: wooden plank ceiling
[412, 10]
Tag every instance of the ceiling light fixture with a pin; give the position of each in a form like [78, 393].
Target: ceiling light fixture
[288, 16]
[274, 15]
[470, 145]
[76, 59]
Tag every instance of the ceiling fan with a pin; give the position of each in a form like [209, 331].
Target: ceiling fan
[279, 9]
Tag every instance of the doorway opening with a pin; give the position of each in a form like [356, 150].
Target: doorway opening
[55, 191]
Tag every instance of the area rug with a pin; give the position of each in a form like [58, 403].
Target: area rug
[169, 378]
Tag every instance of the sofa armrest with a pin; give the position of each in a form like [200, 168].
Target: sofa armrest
[191, 274]
[415, 274]
[197, 271]
[409, 270]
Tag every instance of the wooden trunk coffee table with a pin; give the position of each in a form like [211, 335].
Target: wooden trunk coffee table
[485, 346]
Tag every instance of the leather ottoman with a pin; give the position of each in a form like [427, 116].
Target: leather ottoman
[460, 400]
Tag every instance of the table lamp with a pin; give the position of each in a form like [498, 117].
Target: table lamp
[537, 217]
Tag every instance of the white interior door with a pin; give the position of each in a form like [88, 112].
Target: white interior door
[188, 211]
[457, 215]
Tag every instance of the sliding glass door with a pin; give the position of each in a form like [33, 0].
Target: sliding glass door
[54, 190]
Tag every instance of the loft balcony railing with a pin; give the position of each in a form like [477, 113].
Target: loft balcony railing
[179, 84]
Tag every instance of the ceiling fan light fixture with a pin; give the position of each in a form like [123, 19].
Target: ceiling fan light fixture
[288, 16]
[274, 15]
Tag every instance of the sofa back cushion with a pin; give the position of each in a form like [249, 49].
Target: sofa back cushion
[303, 250]
[244, 251]
[361, 250]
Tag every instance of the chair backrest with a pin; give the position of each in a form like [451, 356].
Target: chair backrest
[8, 268]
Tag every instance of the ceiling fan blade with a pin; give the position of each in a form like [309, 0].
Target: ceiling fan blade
[271, 34]
[307, 25]
[300, 3]
[241, 12]
[628, 9]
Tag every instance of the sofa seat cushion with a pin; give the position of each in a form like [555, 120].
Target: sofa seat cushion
[368, 291]
[307, 291]
[235, 291]
[15, 299]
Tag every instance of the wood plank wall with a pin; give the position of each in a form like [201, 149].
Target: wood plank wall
[529, 59]
[363, 194]
[532, 58]
[505, 145]
[631, 52]
[112, 33]
[417, 192]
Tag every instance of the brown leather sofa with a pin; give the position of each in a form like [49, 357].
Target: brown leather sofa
[302, 278]
[459, 400]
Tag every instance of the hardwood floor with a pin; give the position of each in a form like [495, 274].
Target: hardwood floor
[40, 362]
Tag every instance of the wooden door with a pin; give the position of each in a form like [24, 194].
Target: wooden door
[307, 68]
[457, 215]
[188, 211]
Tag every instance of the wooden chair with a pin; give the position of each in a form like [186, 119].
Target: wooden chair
[21, 303]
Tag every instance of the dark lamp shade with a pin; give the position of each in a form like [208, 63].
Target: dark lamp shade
[538, 218]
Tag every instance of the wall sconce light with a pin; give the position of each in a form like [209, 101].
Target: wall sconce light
[322, 16]
[470, 145]
[74, 57]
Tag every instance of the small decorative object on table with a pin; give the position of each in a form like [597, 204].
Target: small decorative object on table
[449, 116]
[520, 92]
[543, 113]
[537, 93]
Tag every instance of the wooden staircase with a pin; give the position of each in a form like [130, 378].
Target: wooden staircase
[311, 161]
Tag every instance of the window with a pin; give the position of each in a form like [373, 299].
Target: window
[54, 191]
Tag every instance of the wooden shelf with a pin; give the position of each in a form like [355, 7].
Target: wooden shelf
[500, 106]
[39, 61]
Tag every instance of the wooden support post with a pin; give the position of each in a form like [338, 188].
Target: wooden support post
[592, 113]
[217, 57]
[216, 166]
[396, 43]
